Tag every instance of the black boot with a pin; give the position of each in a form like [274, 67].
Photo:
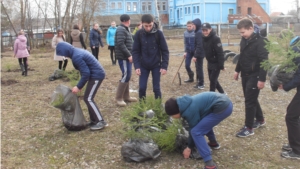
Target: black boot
[25, 69]
[191, 77]
[22, 69]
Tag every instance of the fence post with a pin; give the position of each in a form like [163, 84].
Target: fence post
[288, 25]
[219, 29]
[267, 29]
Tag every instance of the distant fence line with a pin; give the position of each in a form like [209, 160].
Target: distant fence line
[225, 31]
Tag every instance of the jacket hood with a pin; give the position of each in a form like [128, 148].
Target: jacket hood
[64, 49]
[75, 32]
[184, 102]
[197, 23]
[22, 38]
[211, 34]
[154, 29]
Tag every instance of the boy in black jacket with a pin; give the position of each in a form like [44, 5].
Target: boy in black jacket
[252, 53]
[293, 113]
[214, 56]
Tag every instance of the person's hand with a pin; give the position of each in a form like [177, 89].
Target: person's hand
[138, 71]
[260, 85]
[93, 47]
[194, 59]
[184, 55]
[130, 59]
[280, 86]
[163, 71]
[75, 90]
[236, 76]
[187, 152]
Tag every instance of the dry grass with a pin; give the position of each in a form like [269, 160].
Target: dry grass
[33, 135]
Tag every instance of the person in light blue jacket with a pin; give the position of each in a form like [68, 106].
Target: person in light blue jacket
[202, 112]
[110, 40]
[92, 73]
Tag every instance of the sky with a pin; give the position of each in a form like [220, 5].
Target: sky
[282, 5]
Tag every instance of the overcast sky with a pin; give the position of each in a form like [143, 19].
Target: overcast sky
[282, 5]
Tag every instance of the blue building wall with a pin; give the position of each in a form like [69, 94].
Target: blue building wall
[212, 11]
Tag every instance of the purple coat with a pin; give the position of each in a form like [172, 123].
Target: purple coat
[20, 47]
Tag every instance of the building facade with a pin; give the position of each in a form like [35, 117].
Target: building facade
[215, 11]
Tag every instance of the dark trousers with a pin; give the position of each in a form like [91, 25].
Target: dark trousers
[89, 94]
[126, 68]
[292, 120]
[112, 56]
[199, 70]
[60, 64]
[24, 61]
[188, 60]
[252, 106]
[95, 52]
[155, 82]
[213, 78]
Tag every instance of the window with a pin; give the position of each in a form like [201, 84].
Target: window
[119, 5]
[103, 5]
[128, 6]
[171, 14]
[194, 9]
[230, 11]
[180, 12]
[134, 4]
[249, 11]
[185, 10]
[189, 10]
[143, 6]
[158, 6]
[164, 6]
[198, 9]
[239, 10]
[113, 5]
[149, 6]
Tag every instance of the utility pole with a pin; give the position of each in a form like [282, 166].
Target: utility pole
[59, 17]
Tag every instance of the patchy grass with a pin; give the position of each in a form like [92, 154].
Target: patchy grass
[33, 135]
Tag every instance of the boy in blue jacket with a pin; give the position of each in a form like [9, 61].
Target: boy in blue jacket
[91, 72]
[202, 112]
[150, 53]
[293, 110]
[189, 49]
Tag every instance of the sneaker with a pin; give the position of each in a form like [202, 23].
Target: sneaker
[100, 125]
[290, 154]
[199, 87]
[286, 147]
[245, 132]
[258, 124]
[214, 146]
[210, 165]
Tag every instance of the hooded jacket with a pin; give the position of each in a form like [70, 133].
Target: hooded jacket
[199, 51]
[20, 47]
[194, 108]
[82, 60]
[95, 38]
[77, 39]
[110, 36]
[150, 49]
[295, 81]
[189, 41]
[123, 42]
[252, 53]
[213, 51]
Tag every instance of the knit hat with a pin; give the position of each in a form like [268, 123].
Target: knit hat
[124, 18]
[171, 107]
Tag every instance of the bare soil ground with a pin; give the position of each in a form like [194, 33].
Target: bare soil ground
[33, 135]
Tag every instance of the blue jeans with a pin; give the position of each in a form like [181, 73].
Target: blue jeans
[126, 68]
[199, 69]
[155, 82]
[205, 127]
[188, 60]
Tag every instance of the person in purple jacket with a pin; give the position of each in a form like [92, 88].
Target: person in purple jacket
[21, 52]
[92, 73]
[150, 53]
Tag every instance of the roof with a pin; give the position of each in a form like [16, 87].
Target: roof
[274, 14]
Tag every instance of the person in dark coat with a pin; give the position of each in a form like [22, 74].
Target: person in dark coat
[92, 73]
[214, 56]
[150, 54]
[95, 40]
[123, 46]
[189, 49]
[292, 117]
[199, 54]
[202, 112]
[252, 54]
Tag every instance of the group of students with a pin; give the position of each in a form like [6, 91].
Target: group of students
[148, 51]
